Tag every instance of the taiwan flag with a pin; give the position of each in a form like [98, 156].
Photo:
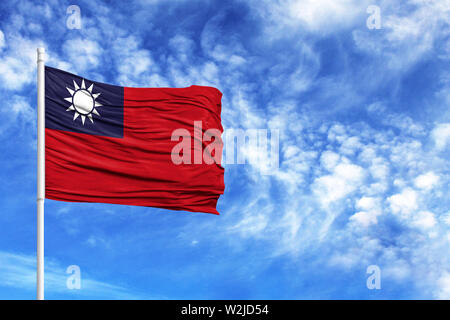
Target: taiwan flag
[155, 147]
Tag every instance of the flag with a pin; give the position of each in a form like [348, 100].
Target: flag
[155, 147]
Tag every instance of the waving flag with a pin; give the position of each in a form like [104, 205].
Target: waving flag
[112, 144]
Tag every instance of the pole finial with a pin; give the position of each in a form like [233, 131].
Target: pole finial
[40, 54]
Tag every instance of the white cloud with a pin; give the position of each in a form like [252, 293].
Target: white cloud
[396, 120]
[320, 15]
[337, 133]
[364, 218]
[350, 146]
[251, 225]
[444, 287]
[132, 61]
[313, 15]
[379, 168]
[16, 112]
[446, 218]
[329, 160]
[18, 62]
[2, 40]
[426, 181]
[398, 269]
[21, 108]
[404, 203]
[83, 54]
[370, 209]
[183, 47]
[95, 241]
[367, 203]
[19, 271]
[441, 136]
[408, 34]
[346, 178]
[367, 154]
[214, 45]
[424, 220]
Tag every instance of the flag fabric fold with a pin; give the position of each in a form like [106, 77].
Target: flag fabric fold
[112, 144]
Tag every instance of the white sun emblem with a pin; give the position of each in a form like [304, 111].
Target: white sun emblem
[83, 101]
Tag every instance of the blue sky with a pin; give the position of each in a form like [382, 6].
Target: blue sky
[364, 123]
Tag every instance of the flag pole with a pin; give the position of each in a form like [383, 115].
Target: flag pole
[40, 172]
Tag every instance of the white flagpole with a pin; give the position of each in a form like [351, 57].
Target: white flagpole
[40, 172]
